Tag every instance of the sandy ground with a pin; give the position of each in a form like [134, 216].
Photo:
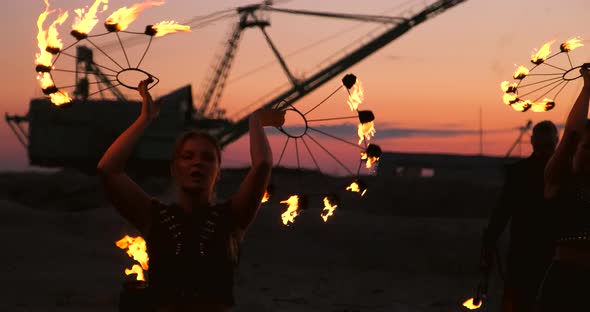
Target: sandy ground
[373, 255]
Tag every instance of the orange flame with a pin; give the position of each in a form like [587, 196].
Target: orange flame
[541, 55]
[85, 21]
[289, 215]
[167, 27]
[522, 106]
[60, 97]
[136, 249]
[520, 72]
[543, 106]
[470, 305]
[356, 95]
[124, 16]
[571, 44]
[370, 160]
[48, 38]
[509, 98]
[328, 210]
[366, 131]
[507, 87]
[354, 187]
[266, 197]
[136, 269]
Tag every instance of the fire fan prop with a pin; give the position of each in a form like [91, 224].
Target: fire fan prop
[369, 153]
[51, 48]
[542, 87]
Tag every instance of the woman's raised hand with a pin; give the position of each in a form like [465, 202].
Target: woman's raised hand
[270, 117]
[149, 109]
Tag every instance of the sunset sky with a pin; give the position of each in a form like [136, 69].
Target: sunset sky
[426, 88]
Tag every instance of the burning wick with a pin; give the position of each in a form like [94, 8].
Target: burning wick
[541, 55]
[136, 249]
[330, 204]
[268, 193]
[292, 211]
[472, 304]
[570, 45]
[357, 186]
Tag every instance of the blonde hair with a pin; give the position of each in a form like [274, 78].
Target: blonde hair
[191, 134]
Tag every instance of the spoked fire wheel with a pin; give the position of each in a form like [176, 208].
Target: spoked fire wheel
[111, 72]
[308, 134]
[537, 88]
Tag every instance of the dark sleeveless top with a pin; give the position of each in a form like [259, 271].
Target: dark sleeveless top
[192, 257]
[572, 206]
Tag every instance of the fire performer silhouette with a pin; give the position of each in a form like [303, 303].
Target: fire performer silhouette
[567, 185]
[523, 204]
[193, 246]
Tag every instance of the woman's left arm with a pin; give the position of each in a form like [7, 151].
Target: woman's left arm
[246, 201]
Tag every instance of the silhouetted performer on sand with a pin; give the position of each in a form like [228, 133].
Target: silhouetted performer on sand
[523, 204]
[193, 245]
[567, 186]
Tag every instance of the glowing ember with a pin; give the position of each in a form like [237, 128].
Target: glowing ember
[123, 17]
[356, 187]
[136, 249]
[57, 97]
[522, 106]
[292, 211]
[328, 209]
[571, 44]
[366, 131]
[85, 21]
[540, 56]
[545, 105]
[520, 72]
[469, 304]
[509, 98]
[356, 95]
[507, 87]
[167, 27]
[265, 198]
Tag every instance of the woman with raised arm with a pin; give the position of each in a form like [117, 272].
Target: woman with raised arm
[567, 186]
[193, 245]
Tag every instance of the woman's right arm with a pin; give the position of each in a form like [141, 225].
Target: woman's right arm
[560, 163]
[125, 195]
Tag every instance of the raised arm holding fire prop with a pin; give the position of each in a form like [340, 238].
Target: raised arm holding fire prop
[369, 154]
[538, 91]
[51, 49]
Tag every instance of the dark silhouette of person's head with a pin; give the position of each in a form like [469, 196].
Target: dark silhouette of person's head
[544, 139]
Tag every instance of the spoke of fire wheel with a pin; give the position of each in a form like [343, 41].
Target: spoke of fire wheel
[298, 164]
[310, 154]
[101, 66]
[113, 86]
[331, 155]
[545, 86]
[335, 118]
[283, 152]
[554, 66]
[543, 95]
[324, 100]
[553, 74]
[570, 60]
[558, 92]
[84, 72]
[145, 52]
[538, 82]
[88, 83]
[123, 48]
[103, 52]
[68, 47]
[334, 137]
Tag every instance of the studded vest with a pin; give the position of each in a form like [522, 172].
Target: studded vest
[573, 207]
[192, 257]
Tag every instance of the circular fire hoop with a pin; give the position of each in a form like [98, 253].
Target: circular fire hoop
[549, 79]
[369, 153]
[110, 75]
